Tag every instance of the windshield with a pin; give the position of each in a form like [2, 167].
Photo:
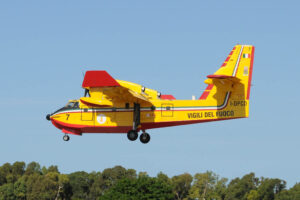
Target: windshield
[72, 105]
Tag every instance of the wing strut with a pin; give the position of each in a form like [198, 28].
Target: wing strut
[136, 116]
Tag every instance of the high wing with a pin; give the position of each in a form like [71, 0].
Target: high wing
[104, 90]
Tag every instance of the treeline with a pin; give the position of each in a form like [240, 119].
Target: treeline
[33, 182]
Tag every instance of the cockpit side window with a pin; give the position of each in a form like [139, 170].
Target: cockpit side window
[76, 105]
[70, 105]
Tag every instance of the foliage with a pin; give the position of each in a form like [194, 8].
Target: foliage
[19, 181]
[181, 185]
[142, 188]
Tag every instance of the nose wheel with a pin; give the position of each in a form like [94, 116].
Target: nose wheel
[66, 138]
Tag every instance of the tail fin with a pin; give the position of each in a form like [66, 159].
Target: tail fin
[234, 77]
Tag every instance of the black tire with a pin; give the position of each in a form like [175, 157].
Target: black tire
[144, 138]
[132, 135]
[66, 138]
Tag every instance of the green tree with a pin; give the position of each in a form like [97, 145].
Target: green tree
[220, 188]
[239, 189]
[20, 189]
[164, 178]
[205, 185]
[142, 188]
[52, 168]
[17, 170]
[143, 174]
[295, 191]
[181, 185]
[7, 192]
[5, 170]
[42, 187]
[268, 188]
[32, 168]
[96, 190]
[112, 175]
[64, 190]
[253, 195]
[80, 184]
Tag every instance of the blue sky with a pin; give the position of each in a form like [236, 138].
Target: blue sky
[166, 45]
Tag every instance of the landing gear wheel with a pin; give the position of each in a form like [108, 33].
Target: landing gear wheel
[132, 135]
[145, 138]
[66, 138]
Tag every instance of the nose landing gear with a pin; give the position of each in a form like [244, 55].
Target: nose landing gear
[66, 138]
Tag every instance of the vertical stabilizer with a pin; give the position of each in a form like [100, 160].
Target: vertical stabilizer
[232, 78]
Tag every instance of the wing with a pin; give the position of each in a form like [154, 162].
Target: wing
[104, 90]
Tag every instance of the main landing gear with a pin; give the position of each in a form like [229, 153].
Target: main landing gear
[144, 138]
[133, 135]
[66, 137]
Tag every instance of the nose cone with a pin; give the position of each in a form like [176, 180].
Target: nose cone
[48, 117]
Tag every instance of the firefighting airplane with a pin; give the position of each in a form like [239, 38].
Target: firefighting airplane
[115, 106]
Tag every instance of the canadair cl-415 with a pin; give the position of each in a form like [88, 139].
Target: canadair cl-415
[116, 106]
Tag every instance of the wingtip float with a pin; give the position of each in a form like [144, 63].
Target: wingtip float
[115, 106]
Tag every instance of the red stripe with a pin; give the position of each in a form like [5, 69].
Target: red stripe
[250, 73]
[227, 59]
[78, 129]
[204, 95]
[209, 87]
[151, 125]
[224, 64]
[219, 76]
[231, 52]
[72, 129]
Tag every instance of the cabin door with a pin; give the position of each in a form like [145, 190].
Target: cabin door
[167, 110]
[87, 114]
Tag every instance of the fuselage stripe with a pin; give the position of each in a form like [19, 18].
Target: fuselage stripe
[159, 109]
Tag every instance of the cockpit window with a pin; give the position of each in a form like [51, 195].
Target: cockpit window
[76, 105]
[72, 105]
[69, 105]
